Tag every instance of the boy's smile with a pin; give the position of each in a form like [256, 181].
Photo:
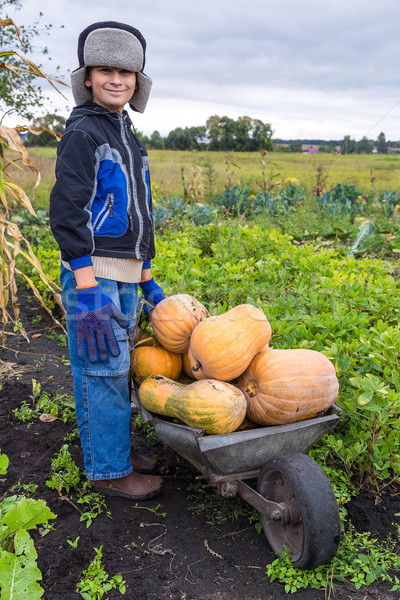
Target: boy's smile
[112, 87]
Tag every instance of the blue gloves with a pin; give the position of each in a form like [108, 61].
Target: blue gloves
[152, 292]
[94, 332]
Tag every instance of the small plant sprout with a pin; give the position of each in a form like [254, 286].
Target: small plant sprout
[96, 582]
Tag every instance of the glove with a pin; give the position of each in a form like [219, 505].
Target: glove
[152, 292]
[94, 331]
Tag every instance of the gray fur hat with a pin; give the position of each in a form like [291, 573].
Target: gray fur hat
[111, 44]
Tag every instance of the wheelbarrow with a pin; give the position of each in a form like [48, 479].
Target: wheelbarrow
[297, 507]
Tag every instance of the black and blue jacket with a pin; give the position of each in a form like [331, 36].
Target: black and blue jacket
[101, 202]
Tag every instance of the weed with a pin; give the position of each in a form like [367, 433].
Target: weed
[61, 338]
[360, 560]
[28, 489]
[25, 413]
[74, 543]
[39, 363]
[217, 509]
[152, 510]
[148, 429]
[66, 475]
[36, 320]
[72, 437]
[96, 582]
[61, 406]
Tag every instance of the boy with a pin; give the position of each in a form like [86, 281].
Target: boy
[100, 215]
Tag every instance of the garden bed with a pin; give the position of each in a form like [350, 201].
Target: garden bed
[188, 546]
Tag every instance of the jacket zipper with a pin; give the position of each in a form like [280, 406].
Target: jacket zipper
[101, 215]
[132, 188]
[110, 199]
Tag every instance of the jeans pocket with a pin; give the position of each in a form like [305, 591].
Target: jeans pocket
[114, 365]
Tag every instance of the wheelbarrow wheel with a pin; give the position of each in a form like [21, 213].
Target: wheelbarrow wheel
[308, 525]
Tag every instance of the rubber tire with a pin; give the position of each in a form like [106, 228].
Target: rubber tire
[313, 538]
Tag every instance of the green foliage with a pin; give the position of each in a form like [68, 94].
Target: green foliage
[66, 475]
[46, 250]
[360, 560]
[74, 543]
[60, 405]
[3, 463]
[348, 145]
[152, 437]
[17, 89]
[201, 214]
[96, 582]
[315, 297]
[389, 201]
[342, 200]
[19, 574]
[234, 200]
[277, 202]
[217, 509]
[381, 144]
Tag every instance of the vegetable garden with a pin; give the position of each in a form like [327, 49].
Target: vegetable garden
[324, 269]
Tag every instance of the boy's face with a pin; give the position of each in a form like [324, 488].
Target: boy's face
[111, 87]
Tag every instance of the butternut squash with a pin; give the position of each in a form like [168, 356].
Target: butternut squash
[214, 406]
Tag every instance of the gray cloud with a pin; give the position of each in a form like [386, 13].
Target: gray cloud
[265, 57]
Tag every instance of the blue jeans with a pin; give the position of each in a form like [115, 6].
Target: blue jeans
[102, 398]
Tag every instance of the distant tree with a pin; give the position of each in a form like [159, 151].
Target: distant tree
[16, 86]
[327, 149]
[261, 136]
[188, 138]
[156, 141]
[347, 146]
[244, 134]
[381, 144]
[141, 136]
[52, 122]
[296, 146]
[364, 146]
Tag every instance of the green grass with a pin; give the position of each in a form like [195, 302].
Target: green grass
[205, 173]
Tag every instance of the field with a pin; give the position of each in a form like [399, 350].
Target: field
[325, 271]
[209, 171]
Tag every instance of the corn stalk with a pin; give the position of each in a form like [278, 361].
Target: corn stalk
[13, 244]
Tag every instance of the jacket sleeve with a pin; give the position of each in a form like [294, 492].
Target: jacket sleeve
[72, 196]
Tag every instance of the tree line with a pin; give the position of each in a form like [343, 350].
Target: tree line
[225, 134]
[219, 133]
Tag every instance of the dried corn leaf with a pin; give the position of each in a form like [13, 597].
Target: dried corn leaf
[10, 368]
[39, 296]
[15, 143]
[9, 22]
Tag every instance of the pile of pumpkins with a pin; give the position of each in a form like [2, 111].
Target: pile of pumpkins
[237, 373]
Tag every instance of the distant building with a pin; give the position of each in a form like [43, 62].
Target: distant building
[309, 148]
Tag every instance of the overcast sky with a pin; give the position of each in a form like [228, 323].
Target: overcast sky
[311, 68]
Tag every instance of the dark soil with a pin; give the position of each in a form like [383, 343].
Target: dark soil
[196, 551]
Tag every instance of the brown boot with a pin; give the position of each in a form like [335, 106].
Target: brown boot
[133, 486]
[142, 464]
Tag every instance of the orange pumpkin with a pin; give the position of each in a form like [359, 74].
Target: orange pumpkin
[154, 360]
[214, 406]
[173, 320]
[186, 365]
[222, 347]
[285, 386]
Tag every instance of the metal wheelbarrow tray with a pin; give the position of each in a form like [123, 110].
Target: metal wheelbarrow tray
[294, 498]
